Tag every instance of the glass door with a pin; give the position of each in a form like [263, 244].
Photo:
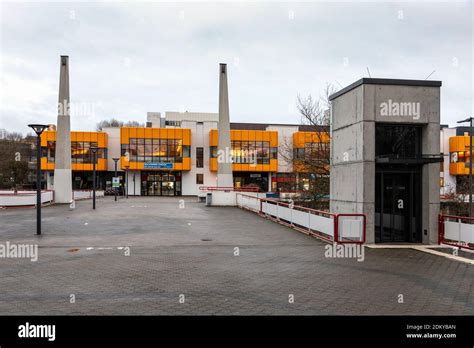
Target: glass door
[397, 207]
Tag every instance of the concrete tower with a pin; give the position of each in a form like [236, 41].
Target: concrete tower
[224, 163]
[62, 166]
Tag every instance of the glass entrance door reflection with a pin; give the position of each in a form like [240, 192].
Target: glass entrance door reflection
[157, 183]
[397, 207]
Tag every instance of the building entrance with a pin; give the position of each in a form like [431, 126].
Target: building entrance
[398, 206]
[161, 183]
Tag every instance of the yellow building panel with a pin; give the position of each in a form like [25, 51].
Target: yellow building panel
[274, 139]
[94, 137]
[132, 133]
[102, 164]
[213, 137]
[458, 143]
[44, 139]
[124, 136]
[273, 165]
[102, 140]
[213, 165]
[186, 136]
[187, 163]
[44, 163]
[171, 133]
[266, 136]
[148, 133]
[140, 133]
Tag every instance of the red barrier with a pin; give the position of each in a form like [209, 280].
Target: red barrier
[441, 231]
[318, 234]
[223, 188]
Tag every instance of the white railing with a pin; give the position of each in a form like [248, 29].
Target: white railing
[24, 198]
[339, 228]
[456, 231]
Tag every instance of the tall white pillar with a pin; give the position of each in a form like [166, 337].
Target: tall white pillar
[224, 165]
[62, 166]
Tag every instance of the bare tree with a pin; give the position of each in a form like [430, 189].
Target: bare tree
[116, 123]
[312, 162]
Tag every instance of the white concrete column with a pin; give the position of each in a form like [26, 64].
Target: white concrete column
[224, 166]
[62, 166]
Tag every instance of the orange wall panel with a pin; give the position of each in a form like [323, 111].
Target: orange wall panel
[187, 163]
[148, 133]
[213, 165]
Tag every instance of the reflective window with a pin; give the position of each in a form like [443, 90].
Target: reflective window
[400, 141]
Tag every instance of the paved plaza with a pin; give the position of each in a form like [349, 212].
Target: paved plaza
[182, 262]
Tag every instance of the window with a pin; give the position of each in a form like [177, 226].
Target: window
[186, 151]
[199, 179]
[156, 150]
[51, 151]
[173, 123]
[199, 157]
[400, 141]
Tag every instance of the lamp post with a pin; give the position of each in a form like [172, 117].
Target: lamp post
[38, 128]
[469, 119]
[115, 175]
[126, 181]
[94, 159]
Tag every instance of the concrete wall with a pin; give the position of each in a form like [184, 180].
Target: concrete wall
[113, 148]
[199, 138]
[131, 182]
[353, 118]
[285, 146]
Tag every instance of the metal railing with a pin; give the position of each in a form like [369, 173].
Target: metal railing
[452, 231]
[228, 189]
[330, 227]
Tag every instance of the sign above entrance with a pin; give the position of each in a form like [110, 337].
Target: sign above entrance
[158, 165]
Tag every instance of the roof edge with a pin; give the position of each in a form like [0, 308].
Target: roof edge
[382, 81]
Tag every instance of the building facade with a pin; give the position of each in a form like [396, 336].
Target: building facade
[177, 155]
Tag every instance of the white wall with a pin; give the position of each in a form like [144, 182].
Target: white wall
[285, 142]
[113, 147]
[130, 187]
[199, 138]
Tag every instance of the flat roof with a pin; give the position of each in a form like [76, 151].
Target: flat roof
[392, 82]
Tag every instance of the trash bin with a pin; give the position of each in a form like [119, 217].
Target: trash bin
[209, 199]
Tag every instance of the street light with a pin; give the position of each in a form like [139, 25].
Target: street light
[38, 128]
[126, 181]
[94, 159]
[115, 160]
[469, 119]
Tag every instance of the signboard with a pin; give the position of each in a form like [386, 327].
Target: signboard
[158, 165]
[115, 182]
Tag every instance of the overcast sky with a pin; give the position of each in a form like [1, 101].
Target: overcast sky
[128, 58]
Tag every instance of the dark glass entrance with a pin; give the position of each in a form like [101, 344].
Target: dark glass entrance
[397, 206]
[398, 167]
[161, 183]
